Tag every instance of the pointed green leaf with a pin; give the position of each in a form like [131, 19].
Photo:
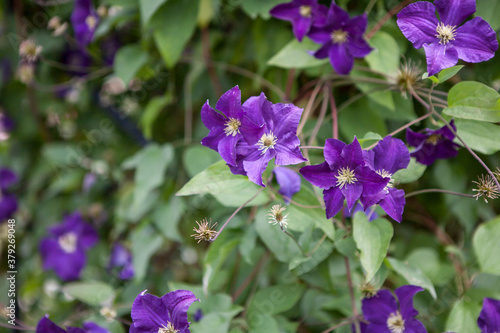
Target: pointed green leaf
[486, 244]
[412, 274]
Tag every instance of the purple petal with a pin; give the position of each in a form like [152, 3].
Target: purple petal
[7, 178]
[127, 272]
[227, 148]
[320, 35]
[288, 180]
[286, 11]
[440, 57]
[405, 296]
[334, 201]
[8, 206]
[341, 58]
[149, 313]
[88, 236]
[372, 182]
[418, 23]
[255, 107]
[45, 325]
[446, 149]
[255, 168]
[425, 154]
[414, 326]
[210, 117]
[250, 131]
[66, 265]
[286, 118]
[475, 41]
[91, 327]
[287, 150]
[120, 256]
[82, 13]
[446, 131]
[378, 308]
[178, 303]
[301, 26]
[415, 139]
[359, 47]
[454, 12]
[319, 175]
[352, 192]
[333, 150]
[75, 330]
[390, 155]
[230, 103]
[393, 203]
[489, 318]
[352, 155]
[337, 15]
[323, 51]
[356, 26]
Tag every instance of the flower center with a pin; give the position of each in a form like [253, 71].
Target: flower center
[232, 127]
[386, 174]
[395, 323]
[305, 11]
[445, 33]
[68, 242]
[91, 22]
[433, 139]
[276, 216]
[267, 141]
[345, 176]
[339, 36]
[167, 329]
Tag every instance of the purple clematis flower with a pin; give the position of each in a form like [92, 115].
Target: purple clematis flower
[8, 202]
[84, 19]
[151, 314]
[121, 258]
[198, 315]
[289, 182]
[279, 138]
[433, 144]
[344, 175]
[443, 42]
[369, 212]
[384, 315]
[64, 250]
[230, 127]
[489, 318]
[342, 39]
[6, 125]
[302, 13]
[388, 156]
[45, 325]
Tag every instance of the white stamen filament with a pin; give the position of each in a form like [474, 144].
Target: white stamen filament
[68, 242]
[345, 176]
[267, 141]
[445, 33]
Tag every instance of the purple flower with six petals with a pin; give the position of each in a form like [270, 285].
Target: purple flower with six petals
[151, 314]
[342, 39]
[121, 258]
[384, 316]
[84, 19]
[64, 250]
[443, 42]
[302, 13]
[344, 175]
[8, 202]
[433, 144]
[489, 318]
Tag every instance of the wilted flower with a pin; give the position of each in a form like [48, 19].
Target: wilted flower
[443, 42]
[121, 258]
[289, 182]
[206, 231]
[433, 144]
[344, 175]
[408, 77]
[342, 39]
[384, 315]
[8, 202]
[486, 188]
[302, 13]
[489, 318]
[56, 25]
[64, 250]
[276, 216]
[84, 19]
[45, 325]
[166, 314]
[26, 72]
[29, 51]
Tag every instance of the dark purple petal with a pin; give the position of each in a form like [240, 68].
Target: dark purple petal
[230, 103]
[91, 327]
[210, 117]
[227, 148]
[255, 107]
[369, 212]
[301, 26]
[68, 266]
[149, 313]
[320, 36]
[334, 201]
[286, 11]
[7, 178]
[255, 168]
[319, 175]
[286, 118]
[178, 303]
[323, 51]
[287, 150]
[336, 15]
[414, 326]
[445, 131]
[88, 236]
[250, 131]
[8, 206]
[356, 26]
[333, 150]
[76, 330]
[391, 155]
[352, 192]
[393, 203]
[378, 308]
[84, 20]
[418, 23]
[446, 149]
[359, 47]
[198, 315]
[45, 325]
[489, 318]
[121, 258]
[341, 58]
[405, 296]
[372, 182]
[127, 272]
[288, 180]
[454, 12]
[415, 139]
[475, 41]
[352, 155]
[439, 57]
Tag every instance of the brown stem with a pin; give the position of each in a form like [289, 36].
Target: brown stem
[386, 17]
[351, 294]
[333, 107]
[436, 190]
[289, 84]
[250, 277]
[321, 117]
[309, 106]
[205, 45]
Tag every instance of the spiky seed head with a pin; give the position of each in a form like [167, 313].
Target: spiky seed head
[205, 231]
[486, 188]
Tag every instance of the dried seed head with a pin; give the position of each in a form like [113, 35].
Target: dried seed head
[408, 77]
[26, 72]
[497, 173]
[29, 51]
[57, 26]
[486, 188]
[205, 231]
[368, 290]
[108, 313]
[276, 216]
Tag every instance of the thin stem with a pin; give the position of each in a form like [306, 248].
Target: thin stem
[311, 147]
[363, 94]
[321, 117]
[16, 327]
[443, 93]
[351, 294]
[343, 323]
[250, 277]
[333, 107]
[309, 106]
[434, 190]
[369, 7]
[236, 212]
[293, 202]
[386, 18]
[317, 245]
[289, 84]
[295, 241]
[205, 45]
[55, 87]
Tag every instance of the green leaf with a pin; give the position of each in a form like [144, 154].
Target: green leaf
[427, 260]
[448, 73]
[197, 158]
[359, 118]
[473, 100]
[275, 299]
[145, 242]
[490, 12]
[412, 274]
[148, 8]
[129, 59]
[486, 242]
[296, 55]
[372, 239]
[174, 24]
[166, 218]
[261, 8]
[230, 190]
[385, 55]
[463, 317]
[412, 173]
[480, 136]
[92, 293]
[262, 323]
[152, 111]
[206, 12]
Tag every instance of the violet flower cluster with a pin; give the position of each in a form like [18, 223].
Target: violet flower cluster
[341, 37]
[64, 250]
[8, 202]
[84, 20]
[45, 325]
[445, 41]
[350, 173]
[248, 136]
